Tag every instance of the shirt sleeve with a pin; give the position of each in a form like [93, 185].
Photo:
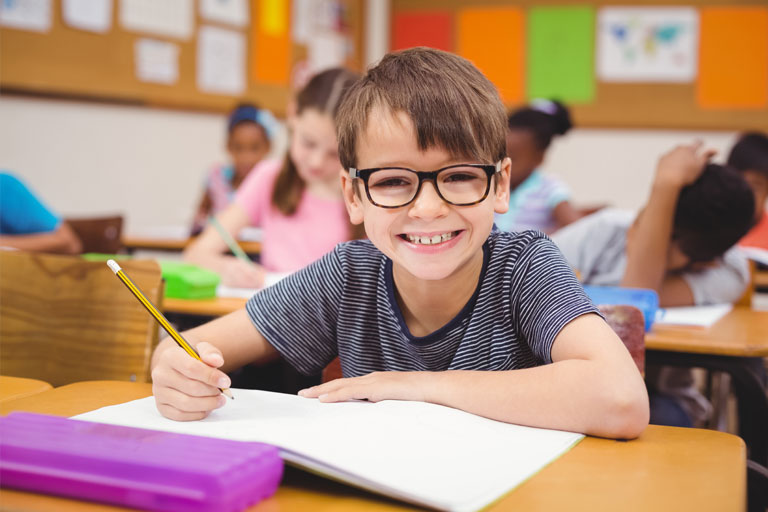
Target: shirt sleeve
[723, 283]
[557, 193]
[298, 315]
[547, 298]
[255, 193]
[21, 212]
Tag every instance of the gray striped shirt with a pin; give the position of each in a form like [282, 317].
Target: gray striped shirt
[344, 304]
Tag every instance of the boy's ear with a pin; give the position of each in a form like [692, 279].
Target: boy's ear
[352, 201]
[501, 188]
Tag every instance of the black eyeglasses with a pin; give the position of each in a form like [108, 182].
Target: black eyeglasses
[459, 185]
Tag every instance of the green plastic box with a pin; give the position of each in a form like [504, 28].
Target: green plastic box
[187, 281]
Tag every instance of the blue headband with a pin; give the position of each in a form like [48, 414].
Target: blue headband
[263, 118]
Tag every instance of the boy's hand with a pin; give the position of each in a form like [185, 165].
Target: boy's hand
[187, 389]
[238, 273]
[373, 387]
[683, 165]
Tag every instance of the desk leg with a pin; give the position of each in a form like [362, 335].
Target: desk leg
[749, 387]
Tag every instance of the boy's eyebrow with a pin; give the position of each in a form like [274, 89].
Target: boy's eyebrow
[403, 163]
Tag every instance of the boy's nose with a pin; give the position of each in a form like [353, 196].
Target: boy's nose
[428, 202]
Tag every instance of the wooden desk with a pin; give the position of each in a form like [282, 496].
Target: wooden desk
[175, 244]
[218, 306]
[666, 469]
[12, 388]
[730, 345]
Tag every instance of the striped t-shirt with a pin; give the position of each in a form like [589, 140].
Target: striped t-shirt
[344, 304]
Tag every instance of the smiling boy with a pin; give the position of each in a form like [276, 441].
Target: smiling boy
[436, 305]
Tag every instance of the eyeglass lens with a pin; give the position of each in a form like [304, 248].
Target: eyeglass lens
[458, 185]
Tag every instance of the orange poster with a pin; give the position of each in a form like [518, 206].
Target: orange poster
[271, 43]
[733, 58]
[423, 28]
[493, 39]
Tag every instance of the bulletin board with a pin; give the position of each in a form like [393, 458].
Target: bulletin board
[65, 61]
[555, 49]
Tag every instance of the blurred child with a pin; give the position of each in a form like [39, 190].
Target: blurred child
[296, 202]
[250, 131]
[750, 157]
[679, 245]
[537, 200]
[436, 306]
[27, 224]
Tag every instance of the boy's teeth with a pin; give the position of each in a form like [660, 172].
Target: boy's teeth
[429, 240]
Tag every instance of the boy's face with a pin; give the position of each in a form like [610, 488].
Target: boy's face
[390, 140]
[758, 182]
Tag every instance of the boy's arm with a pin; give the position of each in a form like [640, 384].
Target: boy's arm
[649, 243]
[592, 386]
[187, 389]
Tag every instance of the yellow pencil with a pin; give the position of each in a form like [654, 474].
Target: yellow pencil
[157, 315]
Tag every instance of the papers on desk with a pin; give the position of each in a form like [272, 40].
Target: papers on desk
[695, 316]
[246, 293]
[422, 453]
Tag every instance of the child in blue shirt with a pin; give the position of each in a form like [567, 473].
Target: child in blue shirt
[27, 224]
[436, 305]
[537, 200]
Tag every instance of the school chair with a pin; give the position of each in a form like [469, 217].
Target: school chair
[64, 319]
[99, 234]
[626, 321]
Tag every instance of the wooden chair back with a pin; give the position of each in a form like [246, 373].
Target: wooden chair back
[64, 319]
[627, 321]
[99, 234]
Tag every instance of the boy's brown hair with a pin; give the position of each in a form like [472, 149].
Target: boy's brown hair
[451, 104]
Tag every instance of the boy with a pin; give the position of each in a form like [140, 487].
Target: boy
[749, 156]
[679, 246]
[433, 306]
[27, 224]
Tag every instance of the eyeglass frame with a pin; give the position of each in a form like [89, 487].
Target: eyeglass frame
[365, 174]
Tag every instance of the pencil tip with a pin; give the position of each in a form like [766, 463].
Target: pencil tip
[227, 393]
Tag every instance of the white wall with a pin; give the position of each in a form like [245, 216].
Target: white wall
[90, 159]
[149, 164]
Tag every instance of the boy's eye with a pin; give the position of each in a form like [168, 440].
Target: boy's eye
[460, 176]
[390, 183]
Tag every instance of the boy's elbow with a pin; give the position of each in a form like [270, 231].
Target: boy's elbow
[629, 415]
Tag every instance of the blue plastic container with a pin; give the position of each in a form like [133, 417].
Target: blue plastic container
[646, 301]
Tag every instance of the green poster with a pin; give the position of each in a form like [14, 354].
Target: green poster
[561, 53]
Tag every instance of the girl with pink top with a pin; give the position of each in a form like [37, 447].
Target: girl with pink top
[297, 202]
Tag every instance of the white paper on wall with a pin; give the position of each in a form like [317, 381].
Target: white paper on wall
[327, 50]
[231, 12]
[302, 20]
[32, 15]
[220, 61]
[90, 15]
[654, 44]
[170, 18]
[156, 61]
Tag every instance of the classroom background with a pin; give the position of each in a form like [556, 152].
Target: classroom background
[141, 145]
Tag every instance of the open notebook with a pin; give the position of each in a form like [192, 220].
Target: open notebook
[422, 453]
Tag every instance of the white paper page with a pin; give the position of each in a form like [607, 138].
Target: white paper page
[90, 15]
[246, 293]
[696, 316]
[171, 18]
[424, 453]
[231, 12]
[220, 61]
[32, 15]
[156, 61]
[647, 44]
[249, 234]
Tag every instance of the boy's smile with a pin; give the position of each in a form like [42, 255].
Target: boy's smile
[428, 239]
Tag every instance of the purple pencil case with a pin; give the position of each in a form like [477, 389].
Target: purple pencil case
[145, 469]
